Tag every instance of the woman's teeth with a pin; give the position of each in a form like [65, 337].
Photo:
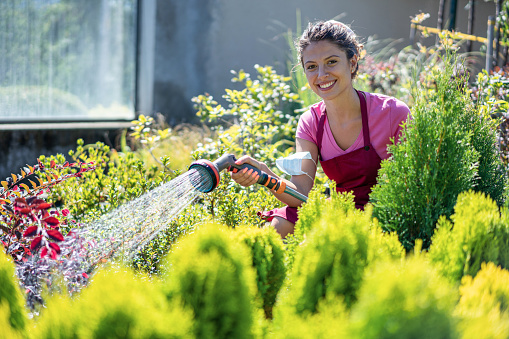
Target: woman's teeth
[326, 85]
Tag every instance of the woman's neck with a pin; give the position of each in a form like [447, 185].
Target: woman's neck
[344, 107]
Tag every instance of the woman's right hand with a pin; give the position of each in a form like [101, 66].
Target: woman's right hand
[246, 177]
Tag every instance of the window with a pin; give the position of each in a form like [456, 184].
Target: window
[67, 60]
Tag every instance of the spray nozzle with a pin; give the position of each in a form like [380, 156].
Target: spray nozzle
[209, 175]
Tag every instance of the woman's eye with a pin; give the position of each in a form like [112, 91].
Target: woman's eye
[310, 67]
[332, 62]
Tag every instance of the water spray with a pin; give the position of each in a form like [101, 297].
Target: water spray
[208, 173]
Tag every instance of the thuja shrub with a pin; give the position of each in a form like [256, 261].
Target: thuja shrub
[478, 233]
[447, 147]
[331, 261]
[11, 300]
[404, 299]
[210, 273]
[484, 303]
[317, 205]
[117, 304]
[268, 260]
[383, 246]
[331, 321]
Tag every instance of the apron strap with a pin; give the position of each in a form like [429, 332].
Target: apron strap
[319, 134]
[365, 126]
[364, 115]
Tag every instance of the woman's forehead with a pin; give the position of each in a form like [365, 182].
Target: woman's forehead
[322, 48]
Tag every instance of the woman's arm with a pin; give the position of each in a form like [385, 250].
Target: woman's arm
[301, 183]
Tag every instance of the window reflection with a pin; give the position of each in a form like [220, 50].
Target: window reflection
[67, 60]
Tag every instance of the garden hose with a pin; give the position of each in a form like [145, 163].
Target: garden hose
[209, 176]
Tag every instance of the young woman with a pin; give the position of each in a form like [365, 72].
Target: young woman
[348, 131]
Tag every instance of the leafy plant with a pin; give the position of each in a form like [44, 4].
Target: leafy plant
[491, 93]
[149, 135]
[24, 214]
[478, 233]
[310, 213]
[116, 179]
[259, 120]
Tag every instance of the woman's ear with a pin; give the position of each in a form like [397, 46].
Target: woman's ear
[353, 63]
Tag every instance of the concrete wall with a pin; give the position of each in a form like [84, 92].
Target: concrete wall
[198, 42]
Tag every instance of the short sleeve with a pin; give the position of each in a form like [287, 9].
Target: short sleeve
[399, 114]
[308, 126]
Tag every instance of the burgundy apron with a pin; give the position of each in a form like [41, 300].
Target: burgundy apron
[354, 171]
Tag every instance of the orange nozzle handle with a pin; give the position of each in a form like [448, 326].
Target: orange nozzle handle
[272, 183]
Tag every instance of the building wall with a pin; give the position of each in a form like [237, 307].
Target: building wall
[198, 42]
[188, 48]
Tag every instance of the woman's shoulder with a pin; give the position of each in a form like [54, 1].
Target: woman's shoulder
[385, 104]
[313, 112]
[382, 100]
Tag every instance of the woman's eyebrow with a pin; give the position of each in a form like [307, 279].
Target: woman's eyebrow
[332, 56]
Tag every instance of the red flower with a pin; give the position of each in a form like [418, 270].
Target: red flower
[65, 212]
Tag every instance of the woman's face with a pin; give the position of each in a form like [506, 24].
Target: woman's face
[327, 69]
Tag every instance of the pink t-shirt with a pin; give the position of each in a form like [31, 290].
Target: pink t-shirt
[385, 115]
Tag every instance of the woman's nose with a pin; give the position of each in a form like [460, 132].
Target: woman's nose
[322, 72]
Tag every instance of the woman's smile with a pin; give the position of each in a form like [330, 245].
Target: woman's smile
[327, 85]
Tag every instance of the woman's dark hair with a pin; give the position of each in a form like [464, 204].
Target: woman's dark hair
[335, 32]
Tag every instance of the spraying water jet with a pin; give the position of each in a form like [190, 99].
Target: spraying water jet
[208, 173]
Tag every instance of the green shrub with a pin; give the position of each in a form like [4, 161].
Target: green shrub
[332, 260]
[268, 260]
[210, 274]
[118, 304]
[383, 246]
[117, 179]
[151, 256]
[331, 321]
[11, 299]
[446, 148]
[313, 210]
[478, 233]
[484, 303]
[231, 204]
[404, 299]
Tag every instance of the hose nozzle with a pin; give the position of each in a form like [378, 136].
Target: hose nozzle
[209, 176]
